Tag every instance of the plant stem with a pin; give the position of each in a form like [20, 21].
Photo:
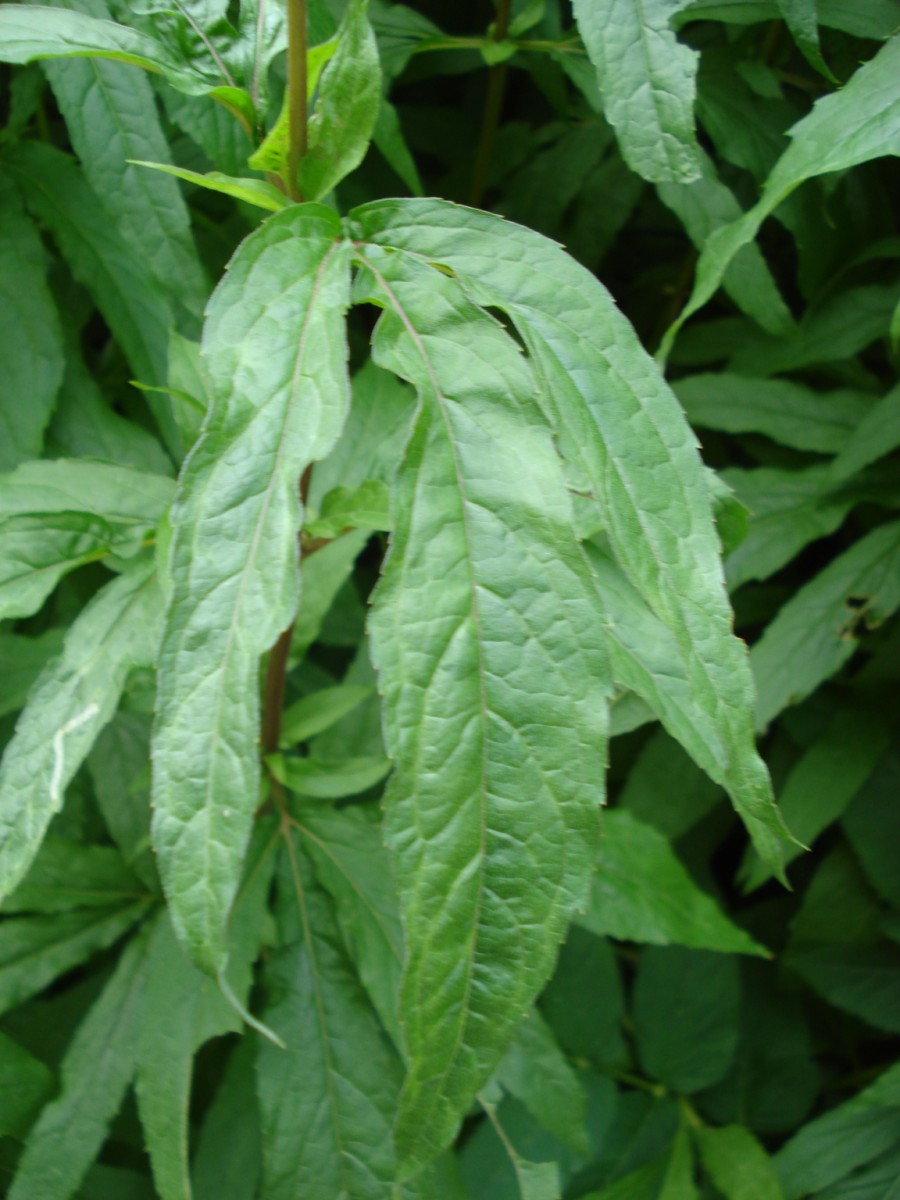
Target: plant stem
[496, 86]
[296, 72]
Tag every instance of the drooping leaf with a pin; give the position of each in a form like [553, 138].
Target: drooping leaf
[121, 284]
[344, 118]
[856, 592]
[802, 20]
[31, 347]
[844, 129]
[366, 507]
[647, 81]
[320, 710]
[493, 829]
[625, 436]
[28, 33]
[96, 1070]
[111, 118]
[642, 893]
[330, 1137]
[55, 516]
[686, 1016]
[274, 354]
[73, 699]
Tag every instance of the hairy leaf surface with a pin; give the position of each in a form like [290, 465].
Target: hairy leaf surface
[625, 435]
[73, 699]
[647, 81]
[275, 358]
[493, 668]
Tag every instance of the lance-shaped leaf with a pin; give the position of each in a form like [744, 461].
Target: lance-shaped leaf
[852, 126]
[71, 702]
[55, 516]
[801, 18]
[27, 33]
[493, 668]
[647, 80]
[97, 1069]
[630, 447]
[274, 350]
[111, 117]
[327, 1101]
[31, 346]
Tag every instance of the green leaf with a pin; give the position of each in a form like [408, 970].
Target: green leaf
[592, 1028]
[534, 1180]
[535, 1071]
[28, 33]
[823, 782]
[228, 1160]
[253, 191]
[388, 138]
[36, 950]
[801, 18]
[506, 821]
[789, 413]
[686, 1016]
[274, 354]
[647, 81]
[344, 117]
[706, 204]
[323, 574]
[23, 660]
[119, 767]
[31, 347]
[67, 875]
[737, 1164]
[788, 510]
[120, 283]
[320, 710]
[849, 127]
[25, 1085]
[623, 432]
[332, 1135]
[111, 118]
[73, 699]
[329, 780]
[863, 980]
[870, 824]
[366, 506]
[819, 628]
[56, 516]
[96, 1071]
[830, 1147]
[642, 893]
[352, 865]
[877, 434]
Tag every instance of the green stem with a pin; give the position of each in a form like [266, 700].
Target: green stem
[496, 87]
[296, 72]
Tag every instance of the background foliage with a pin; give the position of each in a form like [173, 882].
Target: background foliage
[705, 1032]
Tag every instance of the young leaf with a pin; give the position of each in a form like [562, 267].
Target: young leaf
[329, 780]
[366, 507]
[274, 353]
[111, 118]
[624, 434]
[73, 699]
[856, 592]
[493, 828]
[96, 1071]
[343, 122]
[31, 346]
[252, 191]
[642, 893]
[331, 1135]
[647, 81]
[849, 127]
[320, 710]
[27, 33]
